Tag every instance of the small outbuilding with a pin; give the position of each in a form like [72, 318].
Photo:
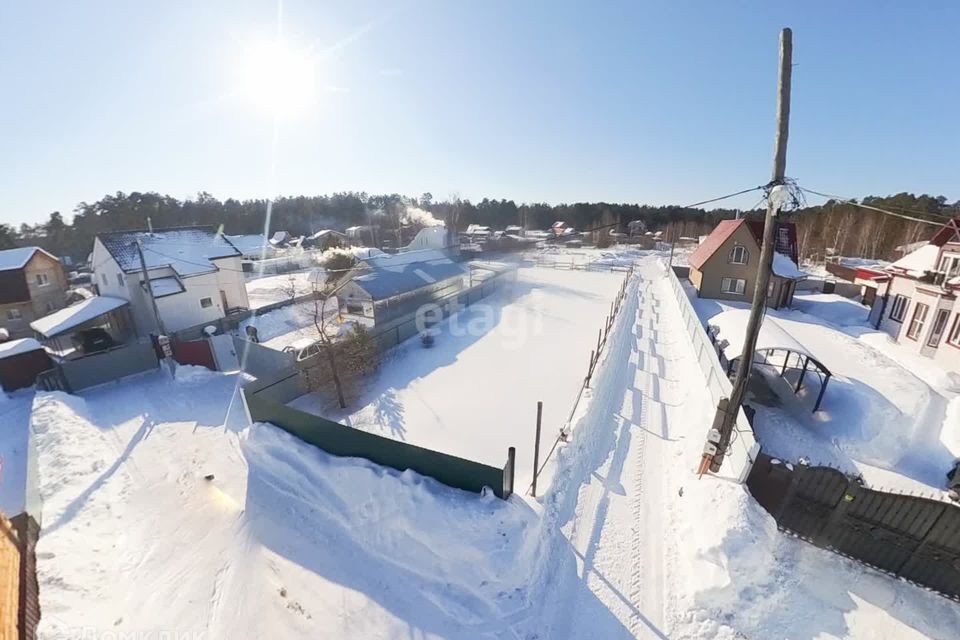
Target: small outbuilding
[21, 361]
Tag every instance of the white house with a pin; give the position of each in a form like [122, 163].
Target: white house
[195, 275]
[921, 307]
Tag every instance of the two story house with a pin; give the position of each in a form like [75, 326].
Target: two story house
[32, 285]
[921, 307]
[195, 275]
[724, 266]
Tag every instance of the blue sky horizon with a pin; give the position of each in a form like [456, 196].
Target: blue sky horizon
[648, 102]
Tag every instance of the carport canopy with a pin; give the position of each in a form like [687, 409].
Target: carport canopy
[731, 326]
[69, 318]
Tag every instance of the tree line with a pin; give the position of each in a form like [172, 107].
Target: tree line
[841, 228]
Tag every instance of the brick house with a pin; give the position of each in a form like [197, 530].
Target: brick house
[921, 305]
[32, 285]
[724, 266]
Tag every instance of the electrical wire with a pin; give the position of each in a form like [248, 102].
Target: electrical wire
[738, 193]
[879, 210]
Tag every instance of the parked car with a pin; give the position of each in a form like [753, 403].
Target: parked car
[303, 349]
[93, 340]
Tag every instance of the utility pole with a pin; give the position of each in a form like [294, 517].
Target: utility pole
[146, 279]
[726, 416]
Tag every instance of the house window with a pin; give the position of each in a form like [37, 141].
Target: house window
[42, 279]
[206, 302]
[899, 307]
[739, 255]
[733, 285]
[919, 317]
[14, 314]
[939, 324]
[120, 280]
[50, 307]
[103, 277]
[954, 336]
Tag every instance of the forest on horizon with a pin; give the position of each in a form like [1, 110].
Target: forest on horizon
[844, 228]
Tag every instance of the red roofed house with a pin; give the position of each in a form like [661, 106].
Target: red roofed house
[921, 308]
[724, 266]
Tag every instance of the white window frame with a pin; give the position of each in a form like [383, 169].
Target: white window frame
[14, 314]
[897, 313]
[120, 280]
[916, 324]
[953, 336]
[938, 314]
[206, 306]
[732, 257]
[103, 278]
[739, 286]
[43, 279]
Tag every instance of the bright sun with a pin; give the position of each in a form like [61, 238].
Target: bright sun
[277, 78]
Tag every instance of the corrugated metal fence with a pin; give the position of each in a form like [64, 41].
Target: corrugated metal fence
[910, 537]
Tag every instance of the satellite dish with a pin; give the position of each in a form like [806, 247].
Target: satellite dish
[210, 330]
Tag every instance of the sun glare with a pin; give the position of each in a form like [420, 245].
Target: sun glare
[277, 78]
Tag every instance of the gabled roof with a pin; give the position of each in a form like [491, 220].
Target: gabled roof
[948, 234]
[918, 262]
[19, 257]
[785, 239]
[188, 251]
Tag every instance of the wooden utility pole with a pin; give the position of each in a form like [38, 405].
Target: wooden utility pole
[757, 309]
[536, 450]
[146, 279]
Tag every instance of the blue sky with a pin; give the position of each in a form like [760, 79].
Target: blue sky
[653, 102]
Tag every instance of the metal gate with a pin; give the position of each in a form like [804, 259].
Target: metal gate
[911, 537]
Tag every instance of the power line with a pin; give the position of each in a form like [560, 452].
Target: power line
[738, 193]
[879, 210]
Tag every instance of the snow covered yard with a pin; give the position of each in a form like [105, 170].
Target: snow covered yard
[14, 444]
[277, 288]
[475, 393]
[880, 416]
[284, 541]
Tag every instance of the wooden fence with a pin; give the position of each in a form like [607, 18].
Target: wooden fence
[907, 536]
[9, 580]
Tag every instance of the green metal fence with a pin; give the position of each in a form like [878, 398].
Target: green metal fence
[266, 400]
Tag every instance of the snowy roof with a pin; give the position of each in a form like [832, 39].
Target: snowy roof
[786, 268]
[917, 262]
[16, 347]
[19, 257]
[732, 326]
[250, 244]
[187, 250]
[75, 315]
[383, 283]
[166, 286]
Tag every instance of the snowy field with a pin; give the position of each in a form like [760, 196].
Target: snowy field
[885, 413]
[277, 288]
[475, 393]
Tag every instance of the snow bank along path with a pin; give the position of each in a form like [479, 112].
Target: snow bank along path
[604, 564]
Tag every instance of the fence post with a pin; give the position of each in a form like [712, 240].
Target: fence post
[536, 449]
[590, 370]
[599, 337]
[512, 465]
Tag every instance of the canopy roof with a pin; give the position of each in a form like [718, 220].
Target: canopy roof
[16, 347]
[732, 326]
[75, 315]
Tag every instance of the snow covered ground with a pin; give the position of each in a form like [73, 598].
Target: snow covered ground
[475, 392]
[284, 541]
[289, 325]
[884, 413]
[271, 289]
[288, 542]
